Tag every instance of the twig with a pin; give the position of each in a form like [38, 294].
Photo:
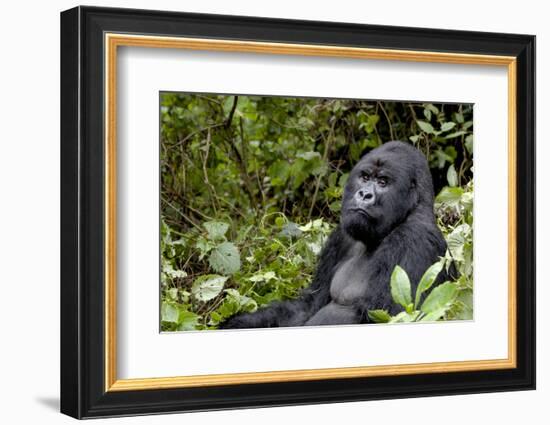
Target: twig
[328, 141]
[232, 112]
[205, 173]
[202, 130]
[188, 219]
[389, 121]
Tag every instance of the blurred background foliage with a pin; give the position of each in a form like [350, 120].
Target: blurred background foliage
[251, 187]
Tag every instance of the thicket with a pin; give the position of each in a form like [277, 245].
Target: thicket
[251, 187]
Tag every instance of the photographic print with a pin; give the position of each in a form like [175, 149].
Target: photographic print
[286, 211]
[321, 188]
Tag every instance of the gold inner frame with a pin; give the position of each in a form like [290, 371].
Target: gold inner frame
[113, 41]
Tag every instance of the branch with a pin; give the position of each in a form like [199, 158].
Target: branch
[230, 117]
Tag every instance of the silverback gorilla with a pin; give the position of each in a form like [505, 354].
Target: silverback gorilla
[387, 220]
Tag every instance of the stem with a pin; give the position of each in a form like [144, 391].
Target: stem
[388, 119]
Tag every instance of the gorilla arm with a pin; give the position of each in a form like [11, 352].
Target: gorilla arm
[313, 298]
[414, 245]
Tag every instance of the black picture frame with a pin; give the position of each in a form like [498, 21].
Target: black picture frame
[83, 393]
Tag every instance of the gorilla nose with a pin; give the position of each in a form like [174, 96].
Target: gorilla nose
[365, 197]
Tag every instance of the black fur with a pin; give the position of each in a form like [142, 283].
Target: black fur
[387, 220]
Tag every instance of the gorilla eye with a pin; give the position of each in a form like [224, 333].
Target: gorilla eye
[365, 177]
[382, 181]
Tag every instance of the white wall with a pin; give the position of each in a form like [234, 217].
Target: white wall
[29, 224]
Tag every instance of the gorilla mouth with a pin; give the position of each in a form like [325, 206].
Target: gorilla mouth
[361, 211]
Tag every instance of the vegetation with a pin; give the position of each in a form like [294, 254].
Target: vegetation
[251, 188]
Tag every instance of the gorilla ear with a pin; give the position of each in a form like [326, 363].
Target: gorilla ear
[413, 183]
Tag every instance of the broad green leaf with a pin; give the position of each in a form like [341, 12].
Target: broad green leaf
[427, 281]
[466, 299]
[446, 126]
[431, 107]
[400, 287]
[450, 196]
[457, 239]
[306, 227]
[343, 179]
[469, 143]
[298, 171]
[426, 127]
[336, 206]
[440, 297]
[379, 316]
[279, 172]
[370, 124]
[308, 156]
[225, 258]
[204, 246]
[175, 273]
[404, 317]
[216, 229]
[208, 286]
[173, 293]
[452, 176]
[187, 321]
[245, 303]
[262, 277]
[467, 201]
[435, 315]
[455, 134]
[168, 313]
[290, 230]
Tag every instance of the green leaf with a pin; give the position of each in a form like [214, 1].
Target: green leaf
[175, 273]
[435, 315]
[457, 239]
[400, 287]
[216, 229]
[426, 127]
[440, 298]
[244, 303]
[299, 172]
[379, 316]
[225, 258]
[427, 280]
[279, 172]
[404, 317]
[431, 107]
[446, 126]
[172, 293]
[168, 313]
[450, 196]
[455, 134]
[452, 176]
[469, 143]
[204, 246]
[308, 156]
[187, 321]
[208, 286]
[262, 277]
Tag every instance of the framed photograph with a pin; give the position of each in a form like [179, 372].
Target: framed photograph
[261, 212]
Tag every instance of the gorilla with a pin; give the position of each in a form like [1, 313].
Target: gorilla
[387, 219]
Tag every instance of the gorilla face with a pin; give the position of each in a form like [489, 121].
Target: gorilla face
[382, 191]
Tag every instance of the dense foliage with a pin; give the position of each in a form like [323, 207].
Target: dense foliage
[251, 187]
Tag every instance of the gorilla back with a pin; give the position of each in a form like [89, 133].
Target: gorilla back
[387, 220]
